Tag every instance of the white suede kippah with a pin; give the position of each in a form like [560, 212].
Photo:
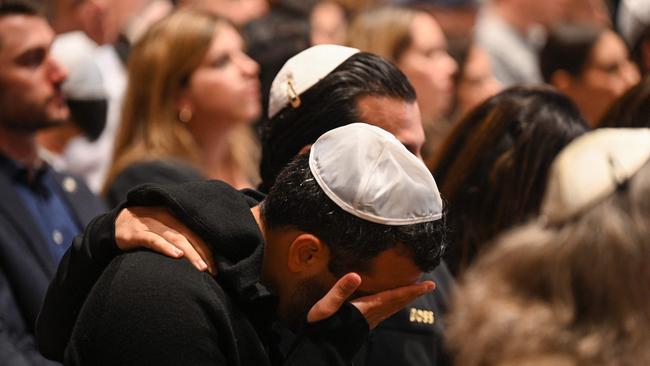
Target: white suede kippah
[591, 168]
[304, 70]
[75, 51]
[367, 172]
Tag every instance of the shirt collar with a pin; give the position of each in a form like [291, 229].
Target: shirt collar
[22, 174]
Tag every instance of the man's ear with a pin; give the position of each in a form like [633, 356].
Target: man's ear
[307, 254]
[305, 149]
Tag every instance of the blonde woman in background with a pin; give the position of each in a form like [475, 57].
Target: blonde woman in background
[191, 97]
[415, 43]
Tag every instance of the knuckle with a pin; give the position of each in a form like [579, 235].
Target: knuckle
[176, 237]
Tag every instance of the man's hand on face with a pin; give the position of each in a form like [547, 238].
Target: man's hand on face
[156, 229]
[375, 308]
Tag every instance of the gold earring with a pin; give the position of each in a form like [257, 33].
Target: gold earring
[185, 115]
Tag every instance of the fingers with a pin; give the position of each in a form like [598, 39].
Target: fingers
[181, 242]
[193, 246]
[335, 298]
[155, 229]
[375, 308]
[158, 244]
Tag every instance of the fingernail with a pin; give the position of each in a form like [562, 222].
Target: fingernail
[202, 265]
[348, 285]
[428, 287]
[178, 252]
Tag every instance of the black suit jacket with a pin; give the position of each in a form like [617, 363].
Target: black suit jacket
[26, 266]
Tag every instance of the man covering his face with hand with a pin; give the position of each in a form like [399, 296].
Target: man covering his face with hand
[362, 231]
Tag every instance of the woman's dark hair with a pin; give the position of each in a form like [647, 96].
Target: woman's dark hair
[329, 104]
[568, 47]
[584, 282]
[459, 50]
[297, 201]
[632, 109]
[494, 164]
[638, 47]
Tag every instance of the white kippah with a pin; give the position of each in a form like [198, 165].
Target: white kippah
[367, 172]
[591, 168]
[74, 51]
[304, 70]
[633, 16]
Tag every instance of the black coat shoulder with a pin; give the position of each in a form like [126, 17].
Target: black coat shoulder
[150, 309]
[164, 172]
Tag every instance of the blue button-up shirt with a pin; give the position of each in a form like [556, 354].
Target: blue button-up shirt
[42, 197]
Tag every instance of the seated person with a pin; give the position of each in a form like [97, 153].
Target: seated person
[632, 109]
[571, 287]
[367, 229]
[590, 64]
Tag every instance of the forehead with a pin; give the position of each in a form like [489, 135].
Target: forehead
[399, 117]
[608, 47]
[225, 38]
[22, 32]
[392, 268]
[425, 31]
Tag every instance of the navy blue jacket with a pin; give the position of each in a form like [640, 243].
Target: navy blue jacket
[26, 266]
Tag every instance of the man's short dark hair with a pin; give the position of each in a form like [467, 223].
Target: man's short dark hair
[297, 201]
[10, 8]
[15, 7]
[329, 104]
[567, 48]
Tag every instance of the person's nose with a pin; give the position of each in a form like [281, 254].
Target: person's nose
[247, 65]
[57, 73]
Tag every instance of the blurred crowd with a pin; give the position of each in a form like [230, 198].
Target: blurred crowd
[100, 96]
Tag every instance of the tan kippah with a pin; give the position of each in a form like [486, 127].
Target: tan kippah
[591, 168]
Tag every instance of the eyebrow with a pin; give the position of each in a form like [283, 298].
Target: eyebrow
[35, 51]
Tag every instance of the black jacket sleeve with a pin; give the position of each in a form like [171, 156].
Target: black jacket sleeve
[332, 341]
[78, 271]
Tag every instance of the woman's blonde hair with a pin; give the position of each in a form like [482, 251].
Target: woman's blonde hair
[575, 293]
[384, 31]
[160, 65]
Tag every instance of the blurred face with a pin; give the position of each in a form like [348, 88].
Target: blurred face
[477, 82]
[391, 269]
[224, 90]
[239, 12]
[30, 79]
[328, 24]
[398, 117]
[606, 76]
[545, 12]
[90, 16]
[429, 67]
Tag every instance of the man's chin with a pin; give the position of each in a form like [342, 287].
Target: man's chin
[55, 118]
[58, 115]
[50, 123]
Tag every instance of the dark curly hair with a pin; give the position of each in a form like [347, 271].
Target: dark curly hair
[296, 200]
